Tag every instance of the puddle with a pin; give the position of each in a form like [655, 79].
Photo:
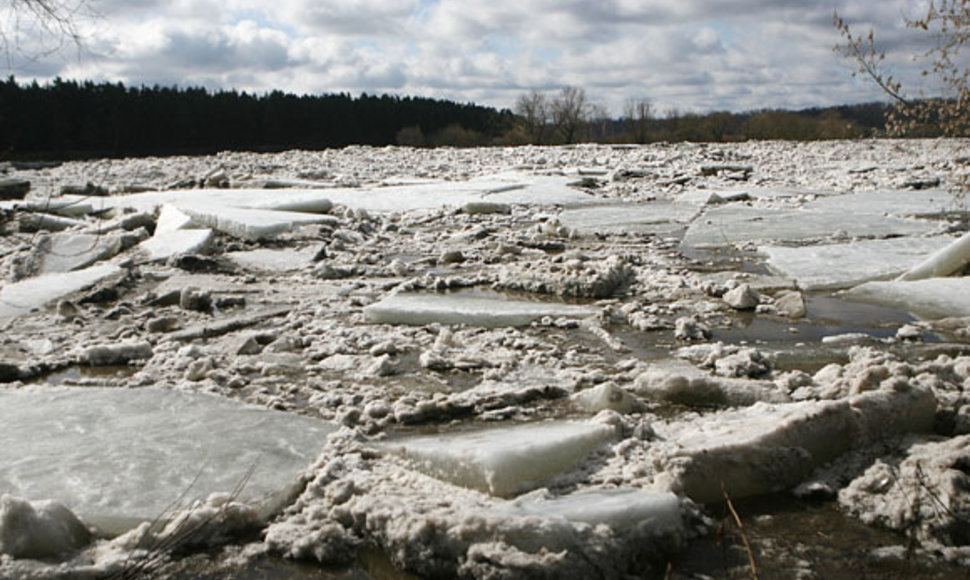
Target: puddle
[789, 537]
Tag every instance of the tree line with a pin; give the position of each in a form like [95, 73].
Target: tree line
[67, 119]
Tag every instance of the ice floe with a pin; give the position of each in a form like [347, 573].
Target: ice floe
[505, 461]
[833, 266]
[21, 297]
[117, 457]
[929, 298]
[471, 309]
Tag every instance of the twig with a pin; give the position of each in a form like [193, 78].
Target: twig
[744, 534]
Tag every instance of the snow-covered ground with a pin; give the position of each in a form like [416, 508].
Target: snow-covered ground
[483, 363]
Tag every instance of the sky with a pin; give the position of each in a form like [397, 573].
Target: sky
[684, 55]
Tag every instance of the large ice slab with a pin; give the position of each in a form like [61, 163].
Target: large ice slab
[22, 297]
[471, 309]
[767, 448]
[733, 224]
[510, 188]
[117, 457]
[929, 298]
[922, 203]
[504, 461]
[843, 265]
[628, 218]
[250, 224]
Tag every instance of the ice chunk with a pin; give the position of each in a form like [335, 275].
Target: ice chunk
[38, 529]
[22, 297]
[948, 260]
[470, 309]
[505, 461]
[732, 224]
[607, 396]
[268, 260]
[680, 382]
[166, 244]
[651, 218]
[250, 224]
[299, 201]
[621, 509]
[115, 353]
[170, 219]
[930, 298]
[117, 457]
[844, 265]
[66, 252]
[767, 448]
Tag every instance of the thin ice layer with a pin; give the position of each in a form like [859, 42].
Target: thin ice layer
[505, 461]
[249, 224]
[844, 265]
[117, 457]
[929, 298]
[269, 260]
[733, 224]
[22, 297]
[651, 218]
[473, 310]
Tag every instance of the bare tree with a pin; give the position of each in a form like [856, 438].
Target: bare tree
[570, 113]
[638, 114]
[36, 28]
[534, 110]
[948, 22]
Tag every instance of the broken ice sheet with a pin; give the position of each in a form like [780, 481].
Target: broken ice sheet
[832, 266]
[22, 297]
[649, 218]
[117, 457]
[474, 309]
[925, 203]
[504, 461]
[619, 508]
[165, 244]
[733, 224]
[929, 298]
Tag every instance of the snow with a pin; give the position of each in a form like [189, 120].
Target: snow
[650, 218]
[461, 308]
[832, 266]
[504, 461]
[929, 298]
[21, 297]
[733, 224]
[38, 529]
[117, 457]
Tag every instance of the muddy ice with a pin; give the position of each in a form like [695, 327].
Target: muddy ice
[487, 363]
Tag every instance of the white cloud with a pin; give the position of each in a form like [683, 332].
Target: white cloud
[690, 54]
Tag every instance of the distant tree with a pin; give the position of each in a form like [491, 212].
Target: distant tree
[570, 112]
[533, 109]
[638, 116]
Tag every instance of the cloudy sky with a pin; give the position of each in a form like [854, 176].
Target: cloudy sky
[689, 55]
